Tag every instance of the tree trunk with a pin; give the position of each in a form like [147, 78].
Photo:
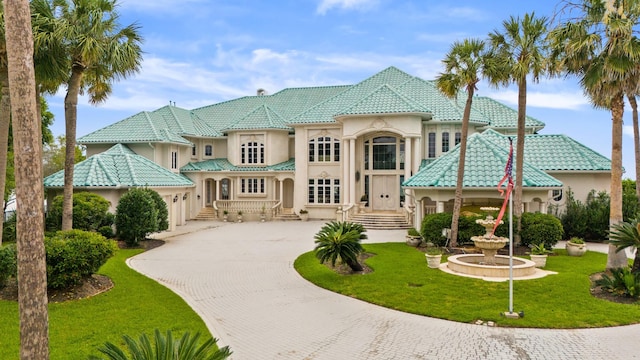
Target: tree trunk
[27, 142]
[457, 203]
[5, 119]
[70, 118]
[517, 191]
[616, 259]
[355, 265]
[636, 140]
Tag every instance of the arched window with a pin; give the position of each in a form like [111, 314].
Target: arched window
[324, 149]
[208, 150]
[252, 153]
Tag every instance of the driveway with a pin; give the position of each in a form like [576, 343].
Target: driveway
[240, 279]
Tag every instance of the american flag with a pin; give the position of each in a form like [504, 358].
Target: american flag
[509, 179]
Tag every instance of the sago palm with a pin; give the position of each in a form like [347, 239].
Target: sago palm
[165, 348]
[340, 241]
[626, 235]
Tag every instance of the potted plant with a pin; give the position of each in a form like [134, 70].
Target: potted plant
[239, 216]
[413, 237]
[539, 255]
[363, 202]
[576, 247]
[304, 215]
[263, 213]
[225, 215]
[434, 256]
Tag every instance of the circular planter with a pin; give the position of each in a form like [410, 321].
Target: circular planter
[539, 260]
[413, 240]
[576, 249]
[433, 261]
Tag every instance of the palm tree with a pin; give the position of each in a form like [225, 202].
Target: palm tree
[98, 52]
[636, 139]
[340, 241]
[165, 348]
[600, 48]
[464, 64]
[32, 276]
[523, 45]
[625, 235]
[5, 112]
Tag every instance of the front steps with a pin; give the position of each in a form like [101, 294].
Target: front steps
[207, 214]
[286, 217]
[381, 221]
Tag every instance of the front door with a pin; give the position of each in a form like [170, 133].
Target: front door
[384, 192]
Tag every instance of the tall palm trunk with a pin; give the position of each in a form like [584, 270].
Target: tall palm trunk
[616, 259]
[636, 140]
[5, 120]
[27, 140]
[517, 194]
[457, 203]
[70, 118]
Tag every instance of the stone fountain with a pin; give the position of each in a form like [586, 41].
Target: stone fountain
[488, 264]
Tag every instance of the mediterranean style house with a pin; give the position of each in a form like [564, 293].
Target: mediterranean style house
[386, 145]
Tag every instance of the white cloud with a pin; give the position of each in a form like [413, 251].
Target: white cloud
[551, 100]
[159, 5]
[326, 5]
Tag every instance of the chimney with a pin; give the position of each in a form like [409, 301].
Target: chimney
[261, 92]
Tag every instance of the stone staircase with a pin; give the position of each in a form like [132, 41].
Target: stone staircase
[286, 217]
[207, 214]
[381, 221]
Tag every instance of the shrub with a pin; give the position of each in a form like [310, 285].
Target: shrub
[161, 206]
[8, 263]
[106, 231]
[622, 282]
[75, 254]
[340, 240]
[467, 227]
[9, 228]
[432, 225]
[538, 228]
[136, 216]
[89, 212]
[186, 348]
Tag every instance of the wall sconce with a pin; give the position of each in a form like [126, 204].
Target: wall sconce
[184, 197]
[175, 199]
[198, 196]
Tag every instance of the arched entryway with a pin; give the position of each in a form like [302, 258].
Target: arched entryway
[383, 171]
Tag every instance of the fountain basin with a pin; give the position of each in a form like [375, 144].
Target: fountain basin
[474, 264]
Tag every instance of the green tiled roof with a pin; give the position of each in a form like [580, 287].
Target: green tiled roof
[262, 117]
[384, 100]
[118, 167]
[225, 165]
[484, 167]
[555, 152]
[501, 115]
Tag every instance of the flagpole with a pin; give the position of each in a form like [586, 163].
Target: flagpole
[510, 254]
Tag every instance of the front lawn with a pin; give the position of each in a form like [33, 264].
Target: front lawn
[135, 305]
[401, 280]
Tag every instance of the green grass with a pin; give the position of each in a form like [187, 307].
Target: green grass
[134, 306]
[401, 280]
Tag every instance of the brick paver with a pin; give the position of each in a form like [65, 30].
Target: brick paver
[240, 279]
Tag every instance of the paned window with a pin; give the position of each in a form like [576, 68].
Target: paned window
[458, 138]
[194, 151]
[324, 149]
[445, 142]
[324, 191]
[432, 145]
[252, 186]
[174, 159]
[208, 150]
[252, 153]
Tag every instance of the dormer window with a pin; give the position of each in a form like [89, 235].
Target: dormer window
[252, 152]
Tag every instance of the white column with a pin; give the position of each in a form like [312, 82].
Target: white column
[216, 187]
[345, 172]
[543, 207]
[203, 190]
[282, 192]
[419, 214]
[417, 155]
[352, 171]
[439, 207]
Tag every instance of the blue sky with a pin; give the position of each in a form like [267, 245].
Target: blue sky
[199, 52]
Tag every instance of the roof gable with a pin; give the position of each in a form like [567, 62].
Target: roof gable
[384, 100]
[262, 117]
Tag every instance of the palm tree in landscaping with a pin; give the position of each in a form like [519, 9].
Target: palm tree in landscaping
[626, 235]
[166, 348]
[340, 241]
[465, 64]
[522, 43]
[99, 51]
[599, 46]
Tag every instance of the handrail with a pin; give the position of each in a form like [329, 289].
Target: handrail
[346, 210]
[275, 208]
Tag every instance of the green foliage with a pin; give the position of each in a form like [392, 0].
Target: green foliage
[8, 264]
[413, 232]
[538, 228]
[340, 240]
[576, 240]
[467, 227]
[622, 282]
[624, 235]
[106, 231]
[161, 206]
[9, 228]
[89, 212]
[539, 249]
[136, 216]
[432, 226]
[166, 348]
[75, 254]
[53, 155]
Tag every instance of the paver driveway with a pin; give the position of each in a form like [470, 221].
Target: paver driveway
[240, 279]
